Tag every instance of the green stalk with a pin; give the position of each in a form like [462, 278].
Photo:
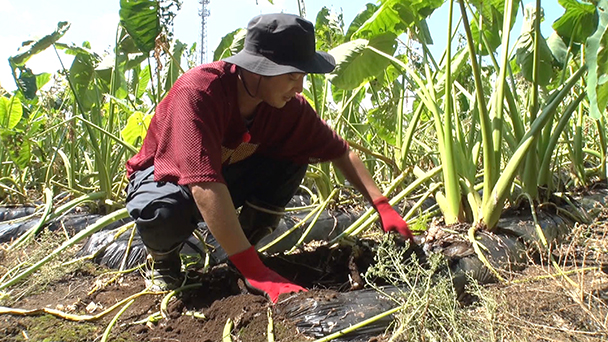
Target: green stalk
[106, 333]
[25, 238]
[450, 175]
[370, 216]
[544, 174]
[270, 330]
[125, 144]
[601, 128]
[531, 166]
[497, 121]
[314, 221]
[102, 222]
[165, 302]
[399, 156]
[296, 226]
[226, 332]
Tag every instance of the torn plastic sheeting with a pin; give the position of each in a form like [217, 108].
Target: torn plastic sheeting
[11, 213]
[72, 223]
[554, 228]
[12, 230]
[111, 253]
[504, 253]
[320, 315]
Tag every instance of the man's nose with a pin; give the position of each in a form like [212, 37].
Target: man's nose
[300, 85]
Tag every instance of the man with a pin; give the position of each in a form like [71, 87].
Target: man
[236, 133]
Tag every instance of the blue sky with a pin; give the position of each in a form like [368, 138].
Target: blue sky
[95, 21]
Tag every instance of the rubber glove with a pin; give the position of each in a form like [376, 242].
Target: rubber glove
[259, 278]
[390, 219]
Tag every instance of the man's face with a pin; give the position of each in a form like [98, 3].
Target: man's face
[278, 90]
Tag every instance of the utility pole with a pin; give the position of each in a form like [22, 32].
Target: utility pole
[204, 13]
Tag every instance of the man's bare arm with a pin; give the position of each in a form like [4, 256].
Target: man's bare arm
[215, 204]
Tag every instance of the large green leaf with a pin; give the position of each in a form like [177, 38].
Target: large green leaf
[35, 47]
[396, 16]
[360, 19]
[595, 58]
[230, 44]
[491, 13]
[140, 19]
[136, 128]
[355, 63]
[328, 29]
[10, 112]
[82, 73]
[578, 22]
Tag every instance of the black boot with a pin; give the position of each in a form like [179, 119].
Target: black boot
[164, 270]
[259, 219]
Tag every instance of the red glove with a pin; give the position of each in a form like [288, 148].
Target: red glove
[390, 219]
[259, 278]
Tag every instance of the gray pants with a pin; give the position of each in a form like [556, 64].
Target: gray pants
[165, 213]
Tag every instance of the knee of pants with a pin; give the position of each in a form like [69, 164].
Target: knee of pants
[163, 227]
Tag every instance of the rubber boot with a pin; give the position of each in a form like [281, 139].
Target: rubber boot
[259, 219]
[164, 269]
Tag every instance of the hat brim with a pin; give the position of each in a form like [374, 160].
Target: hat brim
[321, 63]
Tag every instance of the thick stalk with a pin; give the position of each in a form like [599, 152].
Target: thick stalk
[531, 166]
[544, 174]
[490, 169]
[450, 176]
[500, 91]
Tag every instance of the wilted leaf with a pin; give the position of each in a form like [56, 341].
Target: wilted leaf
[40, 45]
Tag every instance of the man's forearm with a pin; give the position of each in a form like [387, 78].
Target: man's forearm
[215, 204]
[357, 174]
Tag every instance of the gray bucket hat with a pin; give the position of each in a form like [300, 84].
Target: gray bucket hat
[280, 43]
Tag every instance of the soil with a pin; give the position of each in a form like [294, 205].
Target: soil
[535, 305]
[198, 314]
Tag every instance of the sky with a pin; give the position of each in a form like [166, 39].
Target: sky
[96, 21]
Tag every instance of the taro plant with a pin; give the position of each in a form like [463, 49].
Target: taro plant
[516, 136]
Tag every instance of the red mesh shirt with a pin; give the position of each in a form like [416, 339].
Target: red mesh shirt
[198, 128]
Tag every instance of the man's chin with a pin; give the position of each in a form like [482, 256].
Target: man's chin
[278, 104]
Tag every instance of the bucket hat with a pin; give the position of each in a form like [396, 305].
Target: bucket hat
[281, 43]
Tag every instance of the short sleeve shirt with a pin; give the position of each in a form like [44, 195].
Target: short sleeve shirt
[197, 129]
